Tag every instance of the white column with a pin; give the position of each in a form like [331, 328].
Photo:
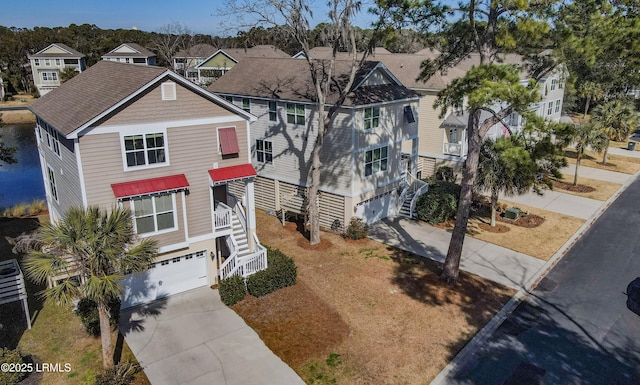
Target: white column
[251, 213]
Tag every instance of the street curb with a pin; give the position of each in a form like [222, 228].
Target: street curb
[468, 352]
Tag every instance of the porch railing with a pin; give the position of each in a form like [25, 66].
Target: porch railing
[222, 217]
[452, 148]
[246, 265]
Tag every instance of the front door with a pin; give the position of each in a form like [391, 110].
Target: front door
[220, 194]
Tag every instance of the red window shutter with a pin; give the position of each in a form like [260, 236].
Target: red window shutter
[228, 141]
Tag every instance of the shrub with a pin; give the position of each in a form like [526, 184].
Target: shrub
[87, 310]
[37, 206]
[232, 290]
[357, 229]
[446, 174]
[281, 273]
[19, 210]
[8, 356]
[121, 374]
[440, 203]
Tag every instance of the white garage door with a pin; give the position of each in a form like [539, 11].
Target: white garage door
[166, 278]
[377, 208]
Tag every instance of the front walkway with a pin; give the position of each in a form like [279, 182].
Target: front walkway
[192, 338]
[487, 260]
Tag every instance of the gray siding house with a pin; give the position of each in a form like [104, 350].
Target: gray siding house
[364, 170]
[145, 138]
[47, 64]
[131, 53]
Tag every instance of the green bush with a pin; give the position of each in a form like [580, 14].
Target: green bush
[121, 374]
[357, 229]
[446, 174]
[280, 273]
[87, 310]
[439, 203]
[8, 356]
[232, 290]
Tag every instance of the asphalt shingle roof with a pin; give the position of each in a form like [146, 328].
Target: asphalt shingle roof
[72, 52]
[142, 52]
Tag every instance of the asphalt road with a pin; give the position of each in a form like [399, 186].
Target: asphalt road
[575, 328]
[12, 108]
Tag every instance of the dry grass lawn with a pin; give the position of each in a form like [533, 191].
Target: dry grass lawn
[18, 101]
[623, 145]
[541, 242]
[363, 313]
[604, 190]
[617, 163]
[17, 117]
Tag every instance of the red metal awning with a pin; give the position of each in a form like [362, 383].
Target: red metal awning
[228, 141]
[226, 174]
[148, 186]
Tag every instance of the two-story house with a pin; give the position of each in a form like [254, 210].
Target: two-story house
[222, 60]
[131, 53]
[145, 138]
[186, 60]
[364, 172]
[47, 63]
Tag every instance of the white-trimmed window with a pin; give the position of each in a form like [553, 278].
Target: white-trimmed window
[273, 111]
[57, 62]
[36, 62]
[295, 113]
[47, 62]
[145, 149]
[371, 117]
[264, 151]
[376, 160]
[154, 214]
[168, 91]
[229, 99]
[49, 76]
[246, 104]
[554, 82]
[453, 135]
[561, 83]
[550, 108]
[53, 189]
[53, 141]
[557, 106]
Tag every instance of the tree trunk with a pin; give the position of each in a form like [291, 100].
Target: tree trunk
[586, 107]
[105, 335]
[606, 152]
[452, 261]
[575, 177]
[494, 207]
[312, 205]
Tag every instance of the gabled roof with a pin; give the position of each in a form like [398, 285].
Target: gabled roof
[290, 79]
[67, 52]
[198, 50]
[100, 89]
[258, 51]
[134, 50]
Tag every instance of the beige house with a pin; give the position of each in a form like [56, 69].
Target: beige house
[131, 53]
[145, 138]
[186, 60]
[364, 170]
[47, 63]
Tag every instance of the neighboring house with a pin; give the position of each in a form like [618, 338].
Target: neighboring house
[221, 61]
[147, 139]
[46, 65]
[186, 60]
[131, 53]
[364, 171]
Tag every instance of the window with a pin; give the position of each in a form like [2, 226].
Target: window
[371, 117]
[561, 83]
[408, 114]
[47, 62]
[295, 113]
[375, 160]
[246, 104]
[36, 62]
[139, 60]
[153, 213]
[53, 141]
[145, 149]
[264, 151]
[164, 263]
[127, 60]
[168, 91]
[57, 62]
[453, 135]
[550, 108]
[458, 109]
[70, 61]
[553, 84]
[273, 111]
[53, 189]
[49, 76]
[229, 99]
[557, 106]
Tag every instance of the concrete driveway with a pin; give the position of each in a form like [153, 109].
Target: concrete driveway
[192, 338]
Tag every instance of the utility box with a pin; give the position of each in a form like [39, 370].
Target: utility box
[512, 213]
[631, 146]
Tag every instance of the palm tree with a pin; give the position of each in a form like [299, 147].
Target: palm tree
[616, 119]
[87, 254]
[583, 136]
[505, 167]
[591, 92]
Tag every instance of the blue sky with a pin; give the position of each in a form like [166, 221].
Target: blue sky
[148, 15]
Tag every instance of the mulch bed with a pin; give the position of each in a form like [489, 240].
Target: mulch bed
[570, 187]
[524, 220]
[494, 229]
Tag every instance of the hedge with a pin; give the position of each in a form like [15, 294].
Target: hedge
[87, 310]
[232, 290]
[281, 272]
[439, 203]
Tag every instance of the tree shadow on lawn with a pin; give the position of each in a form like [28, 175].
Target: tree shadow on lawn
[12, 318]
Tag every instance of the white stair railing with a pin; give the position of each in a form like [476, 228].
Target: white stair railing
[230, 266]
[420, 187]
[222, 216]
[238, 210]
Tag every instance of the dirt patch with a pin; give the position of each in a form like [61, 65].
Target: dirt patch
[579, 188]
[404, 323]
[295, 323]
[500, 229]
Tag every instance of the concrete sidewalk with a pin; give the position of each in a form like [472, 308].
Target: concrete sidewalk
[487, 260]
[596, 173]
[559, 202]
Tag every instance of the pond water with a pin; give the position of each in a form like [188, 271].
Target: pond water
[21, 181]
